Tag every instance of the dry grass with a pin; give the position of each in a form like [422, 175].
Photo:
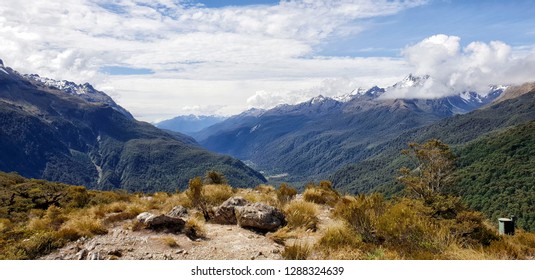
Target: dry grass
[257, 196]
[339, 236]
[214, 195]
[296, 251]
[169, 241]
[265, 189]
[84, 226]
[321, 196]
[285, 193]
[301, 214]
[195, 228]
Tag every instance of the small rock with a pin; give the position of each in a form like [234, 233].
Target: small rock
[116, 252]
[260, 217]
[81, 255]
[225, 213]
[161, 222]
[93, 256]
[179, 251]
[178, 212]
[275, 251]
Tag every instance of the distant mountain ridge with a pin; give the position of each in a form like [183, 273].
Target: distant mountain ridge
[85, 91]
[311, 139]
[78, 135]
[189, 124]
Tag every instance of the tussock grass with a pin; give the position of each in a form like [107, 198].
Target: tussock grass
[85, 226]
[195, 228]
[339, 236]
[169, 241]
[265, 189]
[296, 251]
[260, 197]
[321, 194]
[214, 195]
[301, 214]
[285, 193]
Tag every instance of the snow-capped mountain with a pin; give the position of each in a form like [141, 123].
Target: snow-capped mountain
[411, 81]
[460, 103]
[85, 91]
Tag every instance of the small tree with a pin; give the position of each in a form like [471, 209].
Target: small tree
[214, 178]
[194, 192]
[434, 165]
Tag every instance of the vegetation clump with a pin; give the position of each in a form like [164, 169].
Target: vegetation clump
[301, 214]
[321, 194]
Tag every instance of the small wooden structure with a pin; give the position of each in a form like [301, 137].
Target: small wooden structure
[506, 226]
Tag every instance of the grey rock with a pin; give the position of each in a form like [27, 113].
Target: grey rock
[260, 217]
[161, 222]
[81, 255]
[93, 256]
[226, 212]
[178, 212]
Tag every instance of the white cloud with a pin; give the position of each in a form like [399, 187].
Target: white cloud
[454, 68]
[267, 48]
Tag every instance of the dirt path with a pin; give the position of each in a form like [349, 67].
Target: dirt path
[222, 242]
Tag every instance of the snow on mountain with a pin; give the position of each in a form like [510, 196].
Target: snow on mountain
[85, 91]
[411, 81]
[317, 99]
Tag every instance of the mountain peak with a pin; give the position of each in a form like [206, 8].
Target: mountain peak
[85, 91]
[411, 81]
[1, 63]
[318, 99]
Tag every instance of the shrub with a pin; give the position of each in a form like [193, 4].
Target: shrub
[214, 178]
[194, 192]
[338, 236]
[470, 230]
[501, 249]
[41, 244]
[361, 213]
[78, 197]
[322, 194]
[285, 193]
[301, 214]
[5, 225]
[407, 228]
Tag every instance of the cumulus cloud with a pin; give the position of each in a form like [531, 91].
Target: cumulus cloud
[454, 68]
[272, 44]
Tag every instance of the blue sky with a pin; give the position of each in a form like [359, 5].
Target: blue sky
[163, 58]
[509, 21]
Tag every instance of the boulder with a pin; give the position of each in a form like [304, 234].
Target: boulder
[260, 217]
[161, 222]
[225, 213]
[178, 212]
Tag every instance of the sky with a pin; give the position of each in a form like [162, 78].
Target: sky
[163, 58]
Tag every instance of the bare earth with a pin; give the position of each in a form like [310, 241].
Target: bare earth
[222, 242]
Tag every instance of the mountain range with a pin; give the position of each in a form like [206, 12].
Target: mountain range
[189, 124]
[62, 131]
[313, 139]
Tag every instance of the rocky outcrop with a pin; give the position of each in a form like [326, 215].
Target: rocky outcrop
[226, 213]
[178, 212]
[260, 217]
[161, 222]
